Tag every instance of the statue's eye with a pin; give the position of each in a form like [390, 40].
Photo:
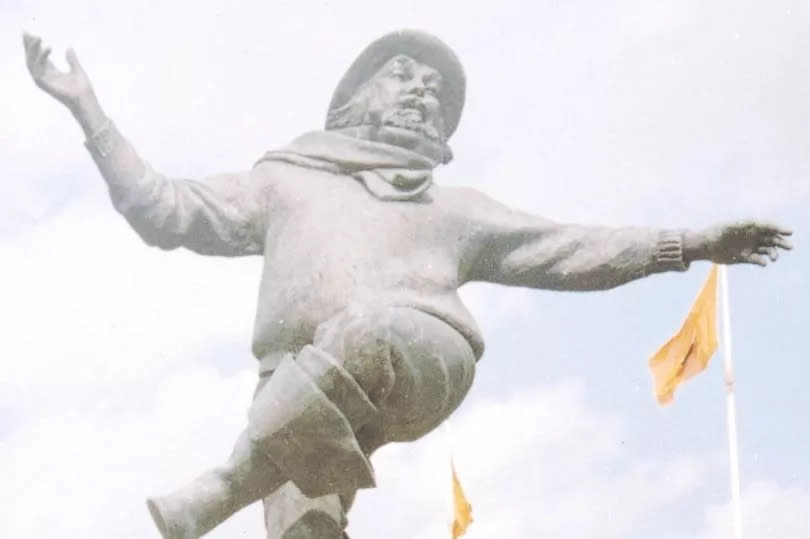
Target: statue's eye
[400, 74]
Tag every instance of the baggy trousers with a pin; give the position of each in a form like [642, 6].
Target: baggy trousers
[413, 368]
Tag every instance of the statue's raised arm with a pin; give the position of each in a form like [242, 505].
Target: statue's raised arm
[221, 216]
[514, 248]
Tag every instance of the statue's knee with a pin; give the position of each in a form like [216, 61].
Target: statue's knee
[370, 344]
[368, 352]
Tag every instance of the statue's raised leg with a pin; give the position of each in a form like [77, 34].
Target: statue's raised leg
[431, 368]
[397, 372]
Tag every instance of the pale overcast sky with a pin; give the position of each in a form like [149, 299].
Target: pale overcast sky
[127, 371]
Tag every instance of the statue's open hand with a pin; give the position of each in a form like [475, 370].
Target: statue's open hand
[746, 242]
[68, 87]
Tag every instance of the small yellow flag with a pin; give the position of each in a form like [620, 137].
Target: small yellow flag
[462, 516]
[687, 353]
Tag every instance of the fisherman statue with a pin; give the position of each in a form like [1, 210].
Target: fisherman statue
[360, 333]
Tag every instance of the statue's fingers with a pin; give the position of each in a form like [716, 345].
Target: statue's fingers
[770, 252]
[773, 228]
[777, 241]
[28, 39]
[782, 243]
[32, 46]
[31, 40]
[759, 260]
[73, 61]
[42, 59]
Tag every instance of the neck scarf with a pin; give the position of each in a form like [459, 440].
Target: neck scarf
[389, 172]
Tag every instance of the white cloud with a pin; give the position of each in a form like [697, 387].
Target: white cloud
[541, 463]
[92, 306]
[87, 472]
[769, 510]
[109, 387]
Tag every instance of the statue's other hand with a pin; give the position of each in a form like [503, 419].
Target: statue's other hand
[746, 242]
[71, 87]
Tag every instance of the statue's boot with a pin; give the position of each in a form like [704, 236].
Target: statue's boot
[301, 428]
[200, 506]
[194, 510]
[304, 420]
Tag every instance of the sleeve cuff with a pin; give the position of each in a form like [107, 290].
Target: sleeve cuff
[669, 251]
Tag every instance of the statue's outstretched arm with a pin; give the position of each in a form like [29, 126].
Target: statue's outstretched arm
[220, 216]
[513, 248]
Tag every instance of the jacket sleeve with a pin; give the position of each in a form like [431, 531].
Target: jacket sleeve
[221, 215]
[509, 247]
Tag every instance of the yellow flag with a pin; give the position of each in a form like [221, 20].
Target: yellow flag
[687, 353]
[462, 509]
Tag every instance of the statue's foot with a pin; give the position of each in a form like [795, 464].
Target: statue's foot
[157, 516]
[172, 520]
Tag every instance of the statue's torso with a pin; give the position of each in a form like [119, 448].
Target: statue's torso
[330, 245]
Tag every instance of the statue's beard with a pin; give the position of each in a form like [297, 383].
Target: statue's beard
[411, 119]
[409, 124]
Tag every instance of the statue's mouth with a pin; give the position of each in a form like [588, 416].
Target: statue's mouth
[419, 127]
[411, 115]
[413, 102]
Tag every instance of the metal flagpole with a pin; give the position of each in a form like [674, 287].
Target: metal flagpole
[731, 407]
[449, 500]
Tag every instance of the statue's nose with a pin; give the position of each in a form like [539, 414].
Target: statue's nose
[417, 88]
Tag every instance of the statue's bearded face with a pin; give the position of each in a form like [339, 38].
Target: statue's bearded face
[404, 94]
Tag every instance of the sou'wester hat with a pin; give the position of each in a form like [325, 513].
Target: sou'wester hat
[422, 47]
